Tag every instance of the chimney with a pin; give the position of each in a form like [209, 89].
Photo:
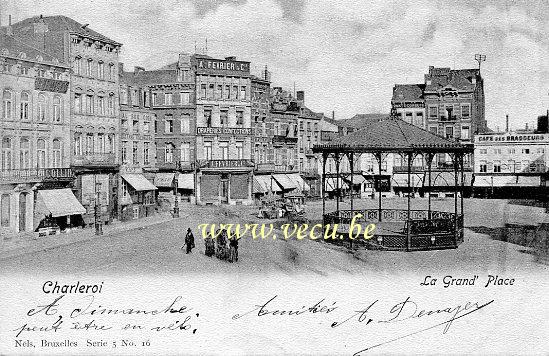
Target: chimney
[526, 126]
[507, 123]
[9, 30]
[333, 115]
[300, 94]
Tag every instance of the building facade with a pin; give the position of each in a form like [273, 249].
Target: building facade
[94, 86]
[137, 148]
[34, 131]
[511, 164]
[223, 131]
[309, 134]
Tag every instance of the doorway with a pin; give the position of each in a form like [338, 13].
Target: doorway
[22, 211]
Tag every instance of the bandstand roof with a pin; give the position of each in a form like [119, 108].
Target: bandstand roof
[391, 135]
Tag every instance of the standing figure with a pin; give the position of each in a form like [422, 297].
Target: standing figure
[221, 252]
[233, 249]
[210, 246]
[189, 240]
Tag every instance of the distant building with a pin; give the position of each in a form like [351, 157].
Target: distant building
[409, 104]
[94, 114]
[34, 135]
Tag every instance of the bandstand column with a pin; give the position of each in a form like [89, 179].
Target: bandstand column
[379, 155]
[456, 167]
[337, 184]
[429, 168]
[351, 163]
[323, 190]
[462, 181]
[408, 237]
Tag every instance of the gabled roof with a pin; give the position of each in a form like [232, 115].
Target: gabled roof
[408, 92]
[391, 135]
[15, 47]
[59, 23]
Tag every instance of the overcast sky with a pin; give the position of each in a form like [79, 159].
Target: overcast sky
[346, 55]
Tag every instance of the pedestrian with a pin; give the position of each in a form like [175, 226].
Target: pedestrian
[210, 246]
[233, 249]
[221, 252]
[189, 240]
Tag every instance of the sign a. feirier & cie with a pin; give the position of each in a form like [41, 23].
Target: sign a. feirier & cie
[217, 64]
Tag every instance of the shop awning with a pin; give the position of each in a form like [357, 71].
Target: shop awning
[332, 184]
[285, 181]
[507, 181]
[164, 180]
[185, 181]
[357, 179]
[401, 180]
[299, 182]
[61, 202]
[263, 184]
[138, 182]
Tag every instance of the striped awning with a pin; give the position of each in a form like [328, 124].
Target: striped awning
[285, 181]
[185, 181]
[138, 182]
[60, 202]
[299, 182]
[164, 180]
[264, 184]
[507, 181]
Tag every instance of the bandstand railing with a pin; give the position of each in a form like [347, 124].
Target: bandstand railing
[421, 230]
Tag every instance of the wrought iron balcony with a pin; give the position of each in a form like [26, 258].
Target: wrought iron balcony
[36, 175]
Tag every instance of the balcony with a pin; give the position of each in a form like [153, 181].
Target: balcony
[175, 166]
[36, 175]
[271, 167]
[279, 139]
[95, 160]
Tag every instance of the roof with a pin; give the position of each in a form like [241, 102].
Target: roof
[15, 47]
[148, 77]
[408, 92]
[390, 135]
[460, 79]
[359, 120]
[63, 23]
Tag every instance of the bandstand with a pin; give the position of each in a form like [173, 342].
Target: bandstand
[396, 229]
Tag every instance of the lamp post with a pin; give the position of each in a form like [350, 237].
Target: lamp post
[98, 225]
[175, 203]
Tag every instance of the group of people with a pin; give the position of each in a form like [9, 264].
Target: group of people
[221, 251]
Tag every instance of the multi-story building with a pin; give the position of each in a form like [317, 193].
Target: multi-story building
[34, 137]
[94, 113]
[172, 99]
[408, 103]
[224, 130]
[263, 126]
[511, 164]
[137, 148]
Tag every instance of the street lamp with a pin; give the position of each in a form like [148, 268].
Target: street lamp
[176, 203]
[98, 225]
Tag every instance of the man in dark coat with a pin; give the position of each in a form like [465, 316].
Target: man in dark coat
[233, 249]
[189, 240]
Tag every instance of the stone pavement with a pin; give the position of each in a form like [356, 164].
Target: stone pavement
[29, 242]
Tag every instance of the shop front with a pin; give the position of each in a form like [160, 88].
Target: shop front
[225, 182]
[138, 197]
[57, 210]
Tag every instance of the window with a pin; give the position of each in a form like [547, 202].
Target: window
[146, 127]
[110, 143]
[185, 152]
[89, 68]
[135, 152]
[155, 99]
[168, 153]
[211, 91]
[208, 150]
[203, 91]
[135, 126]
[465, 132]
[77, 144]
[78, 65]
[101, 104]
[146, 102]
[239, 150]
[100, 143]
[41, 153]
[25, 104]
[497, 151]
[124, 152]
[208, 118]
[24, 70]
[7, 155]
[112, 73]
[243, 93]
[526, 151]
[110, 104]
[124, 188]
[433, 129]
[409, 117]
[234, 95]
[57, 161]
[224, 118]
[227, 92]
[449, 131]
[224, 147]
[168, 99]
[168, 124]
[134, 97]
[433, 111]
[89, 104]
[497, 166]
[525, 165]
[89, 144]
[185, 123]
[483, 167]
[184, 98]
[540, 150]
[57, 75]
[511, 150]
[101, 70]
[41, 107]
[219, 92]
[56, 109]
[239, 119]
[7, 100]
[24, 153]
[511, 166]
[465, 110]
[5, 210]
[146, 150]
[124, 125]
[483, 151]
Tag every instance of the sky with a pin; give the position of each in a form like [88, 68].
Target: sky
[346, 55]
